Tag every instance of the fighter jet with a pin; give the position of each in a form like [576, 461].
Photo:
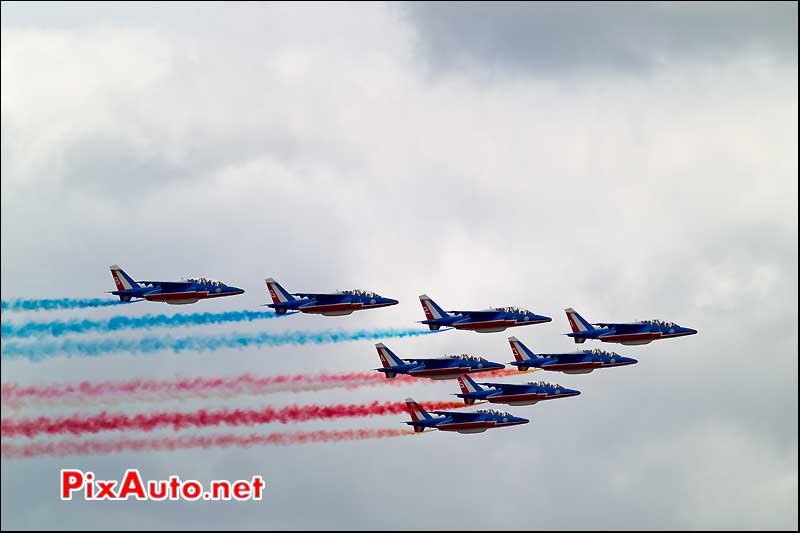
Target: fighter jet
[642, 332]
[581, 362]
[186, 291]
[511, 394]
[475, 422]
[328, 304]
[487, 321]
[443, 368]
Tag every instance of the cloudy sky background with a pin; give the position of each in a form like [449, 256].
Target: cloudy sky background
[631, 161]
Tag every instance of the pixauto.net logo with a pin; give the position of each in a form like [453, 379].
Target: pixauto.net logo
[85, 485]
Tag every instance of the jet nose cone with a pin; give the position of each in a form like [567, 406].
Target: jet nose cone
[390, 301]
[629, 360]
[496, 365]
[237, 290]
[573, 392]
[690, 331]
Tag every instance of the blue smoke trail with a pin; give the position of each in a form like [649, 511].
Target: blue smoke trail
[57, 328]
[61, 303]
[38, 351]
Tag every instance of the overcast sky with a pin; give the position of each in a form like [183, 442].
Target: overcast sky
[629, 160]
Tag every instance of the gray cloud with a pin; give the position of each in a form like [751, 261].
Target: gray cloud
[556, 38]
[313, 146]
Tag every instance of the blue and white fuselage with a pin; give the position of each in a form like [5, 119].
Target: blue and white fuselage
[328, 304]
[486, 321]
[475, 422]
[580, 362]
[511, 394]
[441, 368]
[630, 333]
[187, 291]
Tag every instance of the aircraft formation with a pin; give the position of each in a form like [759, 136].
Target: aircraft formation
[457, 367]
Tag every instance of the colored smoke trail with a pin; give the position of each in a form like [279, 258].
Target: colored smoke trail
[96, 423]
[97, 447]
[14, 395]
[53, 304]
[79, 402]
[119, 392]
[38, 351]
[57, 328]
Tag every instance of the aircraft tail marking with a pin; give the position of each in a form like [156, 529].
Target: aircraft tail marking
[122, 280]
[417, 412]
[432, 310]
[278, 294]
[521, 352]
[577, 322]
[388, 358]
[468, 385]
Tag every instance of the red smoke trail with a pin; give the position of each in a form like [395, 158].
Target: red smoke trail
[78, 424]
[15, 396]
[97, 447]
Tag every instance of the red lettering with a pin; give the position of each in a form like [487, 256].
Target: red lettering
[156, 494]
[221, 490]
[191, 490]
[71, 480]
[258, 484]
[241, 490]
[132, 484]
[106, 490]
[174, 484]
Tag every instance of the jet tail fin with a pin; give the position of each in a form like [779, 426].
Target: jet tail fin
[521, 352]
[468, 385]
[417, 413]
[432, 310]
[123, 281]
[278, 294]
[387, 357]
[577, 322]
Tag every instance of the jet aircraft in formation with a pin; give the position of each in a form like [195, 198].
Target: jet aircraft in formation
[511, 394]
[187, 291]
[630, 333]
[328, 304]
[580, 362]
[486, 321]
[458, 367]
[442, 368]
[474, 422]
